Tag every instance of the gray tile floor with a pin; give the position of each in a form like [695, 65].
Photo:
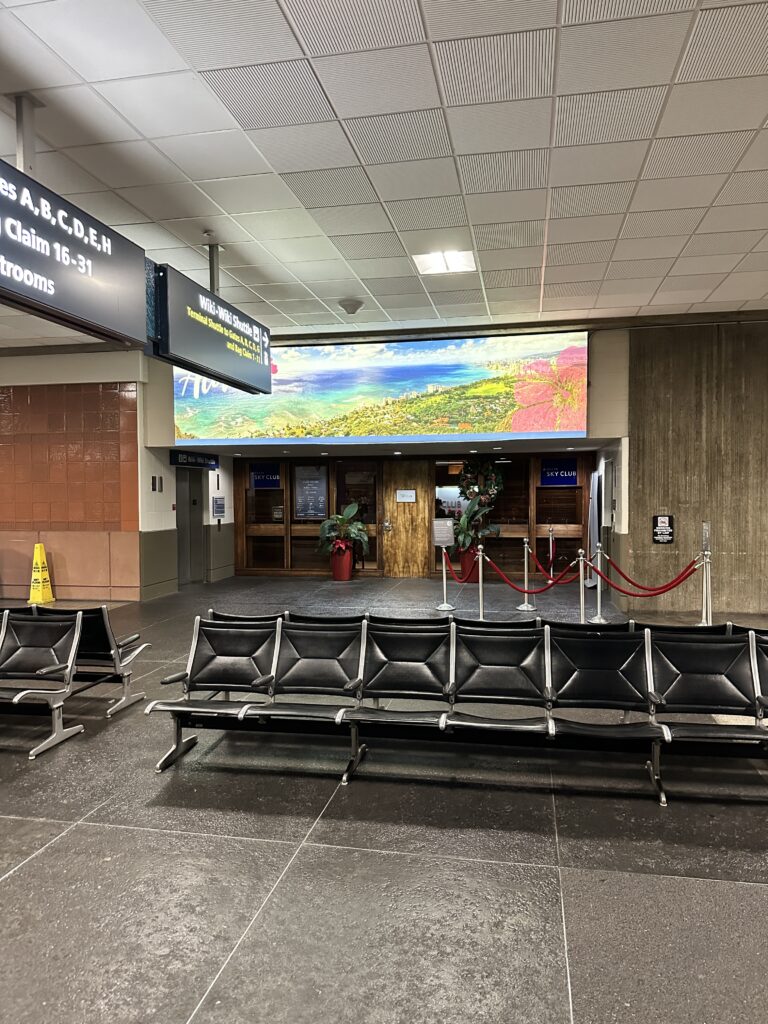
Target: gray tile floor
[444, 885]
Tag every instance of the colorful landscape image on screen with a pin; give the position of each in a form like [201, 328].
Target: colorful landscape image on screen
[506, 387]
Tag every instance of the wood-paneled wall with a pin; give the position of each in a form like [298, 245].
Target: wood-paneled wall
[698, 423]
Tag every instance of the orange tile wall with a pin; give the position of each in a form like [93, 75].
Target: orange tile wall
[69, 457]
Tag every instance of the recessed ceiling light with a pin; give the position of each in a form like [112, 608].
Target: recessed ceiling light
[569, 449]
[473, 451]
[325, 453]
[452, 262]
[497, 449]
[238, 454]
[397, 453]
[503, 460]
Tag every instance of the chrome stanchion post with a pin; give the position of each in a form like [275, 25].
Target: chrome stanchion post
[445, 607]
[703, 570]
[708, 584]
[526, 606]
[480, 566]
[551, 550]
[582, 612]
[599, 617]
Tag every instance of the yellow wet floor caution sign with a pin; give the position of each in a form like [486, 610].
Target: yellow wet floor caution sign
[40, 591]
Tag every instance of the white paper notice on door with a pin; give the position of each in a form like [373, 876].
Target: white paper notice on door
[408, 496]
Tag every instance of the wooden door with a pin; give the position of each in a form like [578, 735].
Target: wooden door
[407, 545]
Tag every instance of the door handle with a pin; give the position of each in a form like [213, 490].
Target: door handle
[387, 526]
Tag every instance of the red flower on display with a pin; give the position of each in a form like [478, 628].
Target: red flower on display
[552, 395]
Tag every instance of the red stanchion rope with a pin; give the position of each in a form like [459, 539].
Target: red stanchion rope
[555, 581]
[452, 571]
[647, 593]
[641, 586]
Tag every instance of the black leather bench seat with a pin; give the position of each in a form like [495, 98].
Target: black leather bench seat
[375, 715]
[716, 732]
[530, 725]
[284, 709]
[214, 708]
[593, 730]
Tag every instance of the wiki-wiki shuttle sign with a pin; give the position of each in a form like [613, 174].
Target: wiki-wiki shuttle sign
[200, 332]
[60, 263]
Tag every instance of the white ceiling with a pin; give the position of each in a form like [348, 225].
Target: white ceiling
[601, 158]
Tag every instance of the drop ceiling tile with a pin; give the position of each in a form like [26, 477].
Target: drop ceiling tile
[634, 292]
[26, 63]
[673, 193]
[333, 186]
[472, 310]
[690, 283]
[746, 187]
[316, 319]
[570, 302]
[742, 286]
[162, 105]
[512, 294]
[211, 34]
[258, 310]
[207, 155]
[727, 42]
[384, 243]
[191, 230]
[579, 252]
[624, 269]
[500, 172]
[755, 304]
[108, 207]
[726, 106]
[620, 54]
[720, 306]
[77, 116]
[595, 117]
[682, 295]
[649, 248]
[433, 212]
[418, 317]
[380, 286]
[203, 278]
[271, 95]
[591, 200]
[150, 236]
[450, 282]
[322, 270]
[437, 240]
[250, 194]
[237, 294]
[663, 310]
[613, 311]
[763, 245]
[380, 81]
[171, 201]
[500, 306]
[450, 19]
[392, 266]
[342, 26]
[301, 250]
[414, 180]
[695, 154]
[62, 175]
[291, 307]
[245, 254]
[756, 157]
[304, 147]
[584, 165]
[582, 11]
[509, 259]
[575, 272]
[122, 164]
[494, 127]
[182, 258]
[410, 135]
[722, 264]
[498, 67]
[265, 275]
[510, 235]
[456, 298]
[279, 224]
[584, 229]
[363, 219]
[277, 322]
[495, 279]
[736, 218]
[493, 207]
[363, 316]
[661, 222]
[563, 289]
[339, 289]
[716, 242]
[754, 261]
[412, 300]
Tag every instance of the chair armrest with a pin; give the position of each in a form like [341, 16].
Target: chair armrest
[51, 670]
[550, 696]
[124, 641]
[353, 684]
[261, 682]
[762, 701]
[656, 699]
[449, 689]
[177, 677]
[132, 654]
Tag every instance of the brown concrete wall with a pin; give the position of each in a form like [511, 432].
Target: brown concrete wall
[698, 427]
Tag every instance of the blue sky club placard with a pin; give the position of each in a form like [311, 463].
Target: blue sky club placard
[559, 472]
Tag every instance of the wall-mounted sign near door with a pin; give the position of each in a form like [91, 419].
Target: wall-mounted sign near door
[663, 529]
[193, 460]
[59, 262]
[561, 472]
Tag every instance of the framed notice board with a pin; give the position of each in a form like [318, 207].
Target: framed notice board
[310, 492]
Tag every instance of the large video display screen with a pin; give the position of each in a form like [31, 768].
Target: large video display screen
[482, 388]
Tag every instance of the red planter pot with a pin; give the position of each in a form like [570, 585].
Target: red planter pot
[470, 568]
[341, 565]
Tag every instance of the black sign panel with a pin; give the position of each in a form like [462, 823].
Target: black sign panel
[194, 460]
[663, 529]
[311, 492]
[202, 333]
[57, 261]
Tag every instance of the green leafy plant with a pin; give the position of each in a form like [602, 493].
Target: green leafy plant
[341, 532]
[470, 529]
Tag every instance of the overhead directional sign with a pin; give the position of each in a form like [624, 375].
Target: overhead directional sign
[200, 332]
[59, 262]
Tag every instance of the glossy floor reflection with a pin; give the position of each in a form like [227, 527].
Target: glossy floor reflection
[445, 885]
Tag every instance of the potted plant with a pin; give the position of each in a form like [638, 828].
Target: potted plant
[469, 531]
[338, 536]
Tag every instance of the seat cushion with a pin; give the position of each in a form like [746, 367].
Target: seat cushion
[632, 730]
[713, 733]
[314, 712]
[215, 708]
[376, 715]
[534, 725]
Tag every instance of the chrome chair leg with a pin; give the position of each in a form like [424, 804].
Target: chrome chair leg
[358, 751]
[59, 732]
[180, 747]
[127, 698]
[654, 771]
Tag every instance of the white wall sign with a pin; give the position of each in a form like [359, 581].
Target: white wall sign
[408, 496]
[442, 533]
